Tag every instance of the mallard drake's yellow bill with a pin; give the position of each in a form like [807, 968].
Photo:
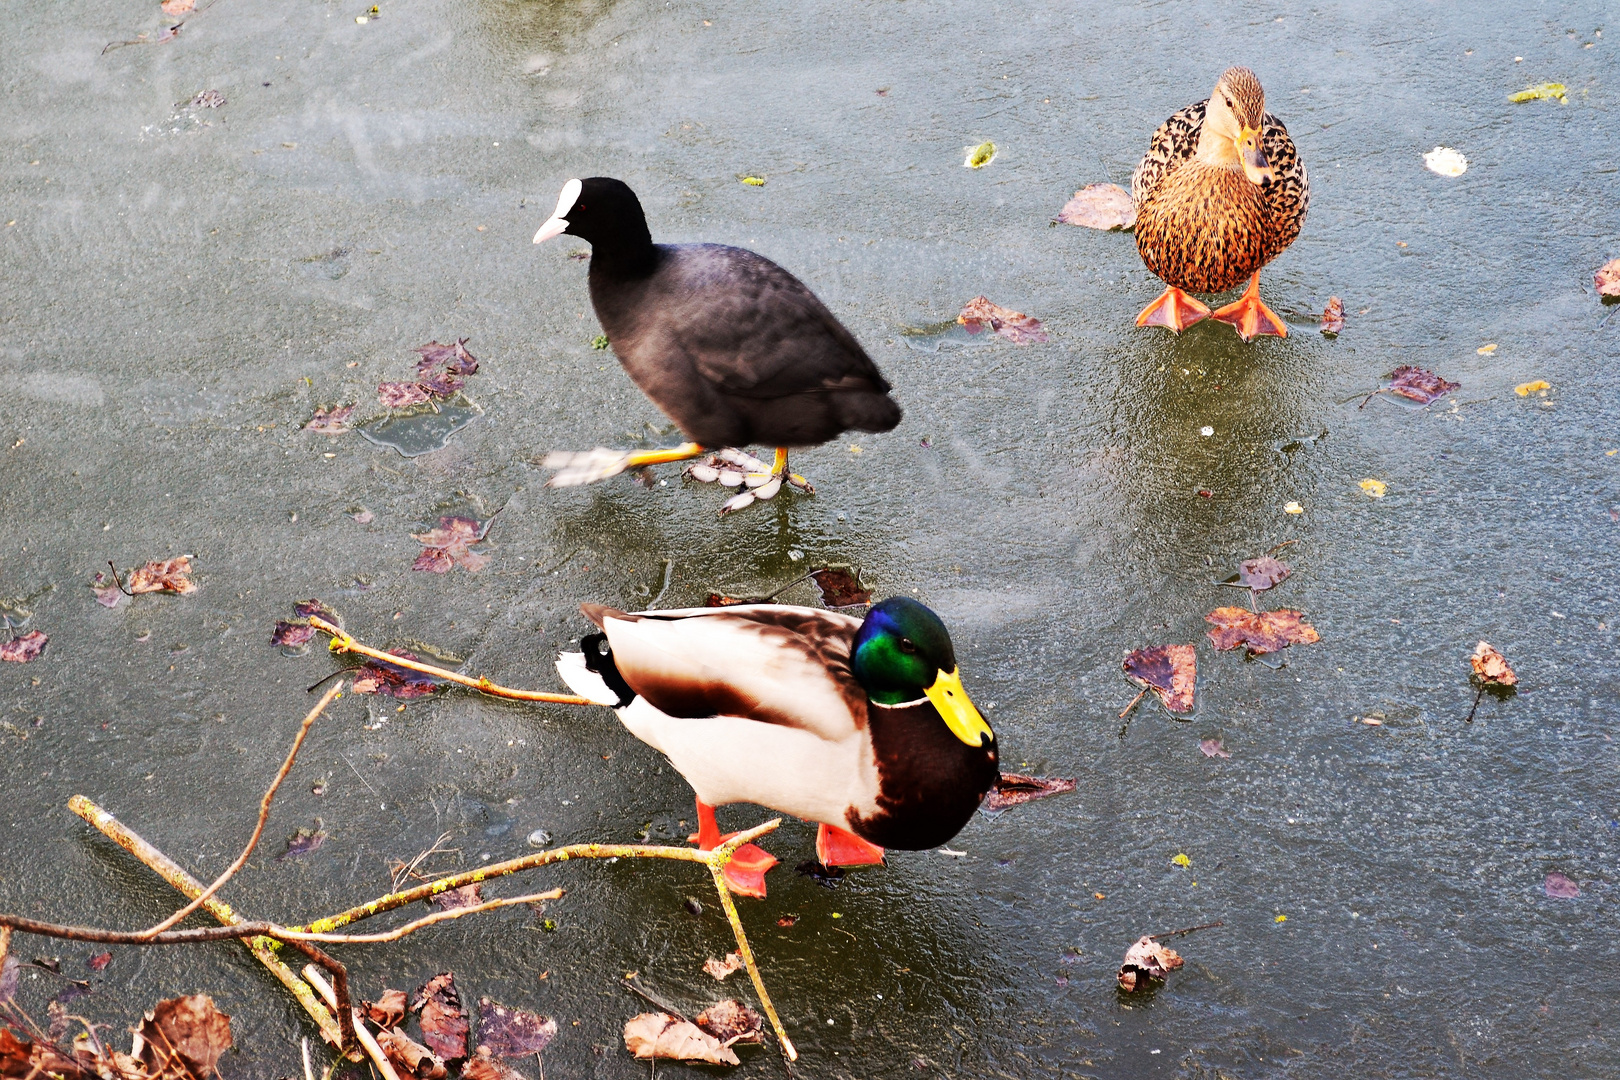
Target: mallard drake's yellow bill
[958, 710]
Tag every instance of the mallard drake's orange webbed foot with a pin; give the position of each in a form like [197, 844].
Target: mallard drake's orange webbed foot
[1249, 316]
[1173, 309]
[835, 847]
[745, 873]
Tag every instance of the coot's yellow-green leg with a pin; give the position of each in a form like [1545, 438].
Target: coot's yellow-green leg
[683, 452]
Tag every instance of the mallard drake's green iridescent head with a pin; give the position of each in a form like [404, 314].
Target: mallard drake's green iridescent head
[902, 653]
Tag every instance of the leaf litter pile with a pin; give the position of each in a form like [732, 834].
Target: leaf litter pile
[181, 1038]
[440, 373]
[449, 544]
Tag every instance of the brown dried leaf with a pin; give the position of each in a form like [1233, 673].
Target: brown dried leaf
[387, 1011]
[163, 575]
[1013, 789]
[1100, 206]
[840, 588]
[720, 969]
[721, 600]
[399, 395]
[184, 1037]
[1146, 961]
[466, 896]
[1607, 278]
[306, 608]
[444, 1022]
[1491, 666]
[485, 1066]
[1333, 316]
[178, 7]
[410, 1057]
[511, 1032]
[660, 1035]
[1262, 573]
[23, 649]
[1419, 385]
[99, 961]
[1170, 671]
[381, 677]
[1266, 632]
[292, 633]
[1015, 326]
[450, 545]
[108, 594]
[334, 421]
[1213, 748]
[732, 1022]
[454, 359]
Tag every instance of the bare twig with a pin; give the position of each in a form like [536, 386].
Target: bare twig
[1278, 547]
[1186, 930]
[342, 642]
[264, 815]
[116, 580]
[408, 869]
[633, 984]
[1132, 705]
[1469, 719]
[374, 1051]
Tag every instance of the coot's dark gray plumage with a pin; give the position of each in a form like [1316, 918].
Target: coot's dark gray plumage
[733, 348]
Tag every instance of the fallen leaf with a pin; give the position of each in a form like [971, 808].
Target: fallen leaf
[10, 971]
[660, 1035]
[752, 181]
[450, 545]
[292, 633]
[306, 608]
[1416, 384]
[1526, 389]
[1213, 748]
[715, 599]
[1280, 918]
[410, 1057]
[166, 575]
[304, 842]
[444, 1022]
[399, 395]
[720, 969]
[108, 594]
[1265, 632]
[21, 650]
[1100, 206]
[387, 1011]
[510, 1032]
[1560, 887]
[840, 588]
[178, 7]
[1547, 91]
[787, 920]
[453, 359]
[1293, 508]
[1013, 789]
[732, 1022]
[99, 961]
[1444, 161]
[1491, 666]
[1146, 961]
[980, 156]
[1015, 326]
[1262, 573]
[183, 1038]
[452, 899]
[1607, 278]
[381, 677]
[364, 517]
[1182, 860]
[330, 422]
[1486, 350]
[1374, 488]
[1333, 316]
[485, 1066]
[1170, 671]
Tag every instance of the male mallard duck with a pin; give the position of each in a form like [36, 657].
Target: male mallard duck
[730, 346]
[1220, 193]
[859, 725]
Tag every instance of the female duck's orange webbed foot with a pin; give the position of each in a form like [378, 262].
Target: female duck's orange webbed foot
[745, 873]
[1249, 316]
[835, 847]
[1173, 309]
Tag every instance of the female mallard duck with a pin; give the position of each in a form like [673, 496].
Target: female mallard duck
[859, 725]
[1220, 193]
[729, 345]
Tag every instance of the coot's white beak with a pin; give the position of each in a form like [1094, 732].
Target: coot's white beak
[558, 223]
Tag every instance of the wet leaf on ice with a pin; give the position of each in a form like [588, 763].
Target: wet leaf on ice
[1263, 632]
[1607, 278]
[409, 1057]
[21, 650]
[720, 969]
[1015, 326]
[10, 972]
[840, 588]
[1444, 161]
[1526, 389]
[511, 1032]
[108, 594]
[486, 1066]
[292, 633]
[1560, 887]
[466, 896]
[1491, 666]
[305, 608]
[163, 575]
[388, 1010]
[1182, 860]
[99, 961]
[1416, 384]
[1146, 962]
[178, 7]
[183, 1037]
[1213, 748]
[399, 395]
[1547, 91]
[1170, 671]
[1262, 573]
[980, 156]
[1375, 489]
[334, 421]
[454, 359]
[1100, 206]
[732, 1022]
[660, 1035]
[450, 544]
[304, 842]
[444, 1022]
[1333, 316]
[381, 677]
[1013, 789]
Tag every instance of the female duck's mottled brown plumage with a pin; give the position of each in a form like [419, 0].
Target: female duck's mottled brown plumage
[1220, 193]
